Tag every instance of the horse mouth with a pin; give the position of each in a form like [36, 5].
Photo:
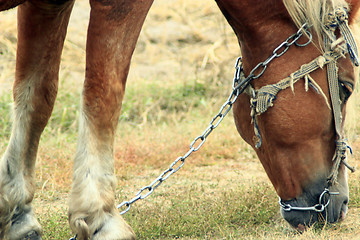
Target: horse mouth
[343, 212]
[301, 228]
[342, 216]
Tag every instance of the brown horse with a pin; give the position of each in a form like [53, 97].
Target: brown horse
[298, 133]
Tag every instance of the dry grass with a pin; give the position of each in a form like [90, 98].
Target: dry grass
[181, 73]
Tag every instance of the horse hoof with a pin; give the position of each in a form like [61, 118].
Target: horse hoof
[115, 228]
[25, 226]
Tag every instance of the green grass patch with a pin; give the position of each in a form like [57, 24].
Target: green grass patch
[196, 213]
[55, 224]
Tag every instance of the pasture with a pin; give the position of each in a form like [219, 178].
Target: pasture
[181, 74]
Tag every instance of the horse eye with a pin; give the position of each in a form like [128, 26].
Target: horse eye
[346, 89]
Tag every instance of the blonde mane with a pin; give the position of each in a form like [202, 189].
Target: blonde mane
[314, 13]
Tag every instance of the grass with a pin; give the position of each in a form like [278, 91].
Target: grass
[181, 74]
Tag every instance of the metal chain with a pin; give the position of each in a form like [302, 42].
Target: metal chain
[238, 88]
[319, 207]
[259, 70]
[195, 145]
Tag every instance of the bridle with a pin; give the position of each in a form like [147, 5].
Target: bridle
[262, 99]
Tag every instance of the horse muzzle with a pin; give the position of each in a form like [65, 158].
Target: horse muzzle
[327, 206]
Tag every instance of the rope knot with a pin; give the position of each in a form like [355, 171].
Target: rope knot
[335, 18]
[265, 97]
[331, 22]
[341, 145]
[321, 60]
[339, 157]
[341, 14]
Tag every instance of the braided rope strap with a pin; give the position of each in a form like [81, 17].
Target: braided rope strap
[263, 98]
[338, 19]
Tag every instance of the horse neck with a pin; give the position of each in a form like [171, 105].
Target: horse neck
[259, 25]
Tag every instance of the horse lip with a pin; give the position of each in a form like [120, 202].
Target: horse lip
[343, 212]
[342, 216]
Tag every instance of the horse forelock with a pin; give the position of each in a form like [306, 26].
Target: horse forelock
[314, 13]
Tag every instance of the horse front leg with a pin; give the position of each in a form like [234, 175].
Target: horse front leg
[112, 35]
[41, 32]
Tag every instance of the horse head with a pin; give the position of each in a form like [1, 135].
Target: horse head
[288, 113]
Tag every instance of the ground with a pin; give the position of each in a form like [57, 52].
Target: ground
[181, 74]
